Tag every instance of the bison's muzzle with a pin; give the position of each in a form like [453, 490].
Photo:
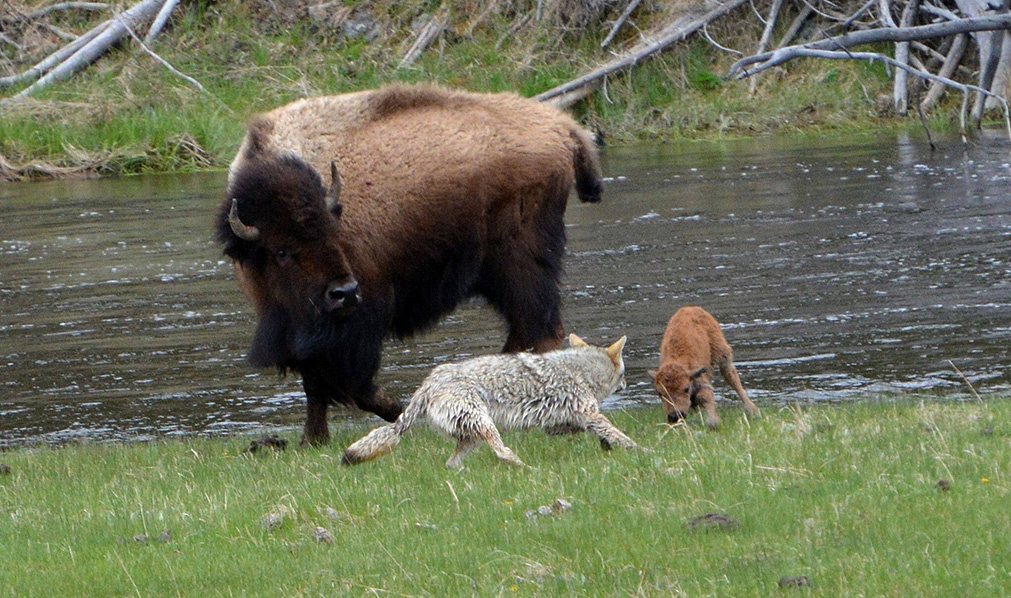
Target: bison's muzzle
[343, 295]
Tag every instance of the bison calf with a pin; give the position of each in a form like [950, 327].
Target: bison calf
[692, 344]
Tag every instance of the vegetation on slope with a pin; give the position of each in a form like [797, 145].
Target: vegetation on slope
[127, 113]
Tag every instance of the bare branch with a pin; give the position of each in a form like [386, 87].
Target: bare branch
[115, 30]
[947, 69]
[432, 29]
[625, 14]
[768, 60]
[798, 22]
[63, 6]
[44, 66]
[160, 20]
[807, 52]
[673, 32]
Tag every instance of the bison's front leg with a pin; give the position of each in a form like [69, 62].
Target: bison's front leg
[317, 430]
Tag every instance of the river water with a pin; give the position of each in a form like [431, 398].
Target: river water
[840, 268]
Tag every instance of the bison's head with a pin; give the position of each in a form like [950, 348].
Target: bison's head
[281, 227]
[674, 383]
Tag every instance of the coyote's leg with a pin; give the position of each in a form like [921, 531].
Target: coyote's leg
[730, 375]
[489, 433]
[463, 447]
[609, 435]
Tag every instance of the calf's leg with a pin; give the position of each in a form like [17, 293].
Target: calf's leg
[729, 373]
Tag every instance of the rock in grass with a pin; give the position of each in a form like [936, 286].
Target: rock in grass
[799, 581]
[713, 521]
[943, 485]
[272, 441]
[322, 536]
[5, 469]
[275, 518]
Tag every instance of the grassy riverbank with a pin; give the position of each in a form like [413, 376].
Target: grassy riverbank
[129, 114]
[849, 497]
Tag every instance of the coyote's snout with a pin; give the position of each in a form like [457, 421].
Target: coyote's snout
[469, 401]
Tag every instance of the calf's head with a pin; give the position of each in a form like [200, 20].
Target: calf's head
[281, 227]
[675, 384]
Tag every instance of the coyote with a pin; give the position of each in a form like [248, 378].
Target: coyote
[557, 390]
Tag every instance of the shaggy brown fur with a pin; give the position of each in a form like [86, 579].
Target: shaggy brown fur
[469, 401]
[434, 196]
[692, 344]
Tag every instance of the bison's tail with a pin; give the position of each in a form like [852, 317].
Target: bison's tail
[383, 439]
[588, 178]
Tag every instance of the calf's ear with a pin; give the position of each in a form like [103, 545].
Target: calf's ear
[651, 374]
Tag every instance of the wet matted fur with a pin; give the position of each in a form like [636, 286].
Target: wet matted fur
[469, 401]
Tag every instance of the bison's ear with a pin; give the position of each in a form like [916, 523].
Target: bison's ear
[575, 341]
[651, 374]
[258, 135]
[333, 196]
[697, 373]
[614, 351]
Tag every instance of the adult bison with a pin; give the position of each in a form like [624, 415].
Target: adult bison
[434, 196]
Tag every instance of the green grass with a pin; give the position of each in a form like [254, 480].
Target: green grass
[128, 114]
[845, 495]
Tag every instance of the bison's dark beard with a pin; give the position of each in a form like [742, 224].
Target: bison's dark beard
[346, 350]
[283, 341]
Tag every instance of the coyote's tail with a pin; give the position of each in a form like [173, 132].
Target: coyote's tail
[587, 166]
[383, 439]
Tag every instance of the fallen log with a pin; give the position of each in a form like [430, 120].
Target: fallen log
[111, 32]
[674, 32]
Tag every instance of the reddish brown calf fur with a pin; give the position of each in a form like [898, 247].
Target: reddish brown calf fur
[692, 345]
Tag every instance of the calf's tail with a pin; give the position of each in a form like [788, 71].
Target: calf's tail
[587, 166]
[383, 439]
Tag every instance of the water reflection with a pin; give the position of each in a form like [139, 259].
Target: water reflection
[839, 269]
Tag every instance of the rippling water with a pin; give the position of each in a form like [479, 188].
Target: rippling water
[839, 268]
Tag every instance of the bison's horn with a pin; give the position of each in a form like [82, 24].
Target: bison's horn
[333, 196]
[241, 230]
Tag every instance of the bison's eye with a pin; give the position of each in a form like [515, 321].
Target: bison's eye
[688, 389]
[283, 257]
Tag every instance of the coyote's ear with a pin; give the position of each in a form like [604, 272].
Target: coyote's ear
[615, 350]
[651, 374]
[575, 341]
[697, 373]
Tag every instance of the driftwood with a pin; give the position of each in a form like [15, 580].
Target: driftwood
[63, 6]
[947, 70]
[625, 14]
[432, 30]
[80, 53]
[743, 68]
[674, 32]
[871, 56]
[770, 24]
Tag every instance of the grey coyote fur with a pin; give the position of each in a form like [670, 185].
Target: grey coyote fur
[468, 401]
